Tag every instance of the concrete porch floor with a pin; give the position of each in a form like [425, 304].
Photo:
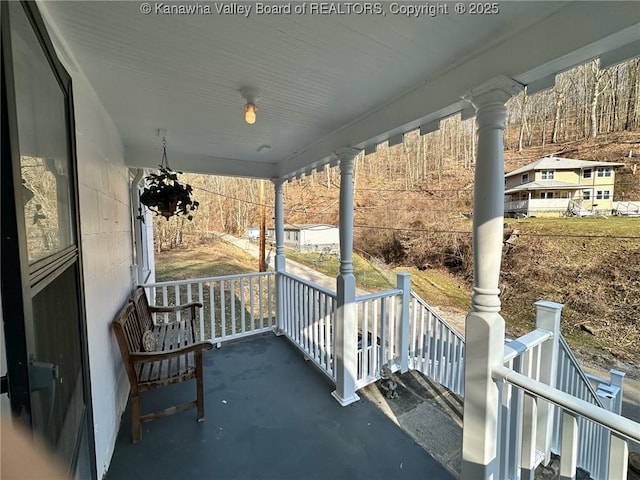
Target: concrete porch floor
[268, 415]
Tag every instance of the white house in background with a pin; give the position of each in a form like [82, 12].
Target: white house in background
[252, 233]
[553, 186]
[310, 237]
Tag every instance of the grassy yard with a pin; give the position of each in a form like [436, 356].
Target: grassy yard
[211, 259]
[439, 288]
[367, 277]
[615, 226]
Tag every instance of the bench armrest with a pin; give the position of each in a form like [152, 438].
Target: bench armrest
[143, 357]
[175, 308]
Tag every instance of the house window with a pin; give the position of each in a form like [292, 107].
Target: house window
[604, 171]
[524, 178]
[295, 236]
[564, 194]
[586, 195]
[547, 174]
[546, 195]
[587, 172]
[603, 194]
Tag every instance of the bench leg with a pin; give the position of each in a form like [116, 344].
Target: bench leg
[136, 429]
[200, 386]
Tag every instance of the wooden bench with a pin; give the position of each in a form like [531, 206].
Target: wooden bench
[177, 356]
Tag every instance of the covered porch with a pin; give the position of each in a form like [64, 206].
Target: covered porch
[268, 415]
[325, 91]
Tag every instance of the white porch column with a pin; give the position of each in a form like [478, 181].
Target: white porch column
[346, 329]
[484, 330]
[280, 261]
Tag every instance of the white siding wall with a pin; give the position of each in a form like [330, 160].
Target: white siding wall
[105, 224]
[321, 235]
[107, 254]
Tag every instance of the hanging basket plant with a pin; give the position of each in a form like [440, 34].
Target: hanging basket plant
[165, 195]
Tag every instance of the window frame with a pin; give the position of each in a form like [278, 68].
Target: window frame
[604, 172]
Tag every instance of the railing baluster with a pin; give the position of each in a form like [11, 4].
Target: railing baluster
[365, 339]
[165, 302]
[414, 329]
[212, 309]
[618, 458]
[261, 311]
[178, 301]
[375, 349]
[223, 310]
[201, 310]
[328, 326]
[448, 361]
[569, 452]
[252, 313]
[316, 324]
[321, 329]
[383, 331]
[423, 342]
[242, 306]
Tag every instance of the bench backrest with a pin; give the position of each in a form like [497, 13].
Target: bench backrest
[128, 331]
[141, 304]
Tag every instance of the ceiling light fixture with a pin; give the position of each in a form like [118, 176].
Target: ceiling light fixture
[251, 95]
[250, 113]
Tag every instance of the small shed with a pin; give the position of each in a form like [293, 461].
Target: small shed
[252, 233]
[310, 237]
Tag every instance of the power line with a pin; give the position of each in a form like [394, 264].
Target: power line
[520, 234]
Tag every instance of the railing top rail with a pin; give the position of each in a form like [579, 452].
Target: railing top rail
[376, 295]
[616, 423]
[564, 346]
[315, 286]
[524, 343]
[438, 317]
[207, 279]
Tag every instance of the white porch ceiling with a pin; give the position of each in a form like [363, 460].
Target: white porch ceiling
[326, 81]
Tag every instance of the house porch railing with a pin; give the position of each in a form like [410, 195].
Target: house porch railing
[547, 404]
[537, 206]
[234, 306]
[309, 316]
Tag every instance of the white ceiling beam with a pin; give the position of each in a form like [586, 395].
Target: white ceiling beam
[544, 83]
[541, 50]
[429, 127]
[190, 163]
[369, 149]
[620, 54]
[396, 140]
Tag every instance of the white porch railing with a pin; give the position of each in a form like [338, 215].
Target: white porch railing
[379, 317]
[542, 383]
[537, 206]
[234, 306]
[435, 348]
[571, 379]
[309, 313]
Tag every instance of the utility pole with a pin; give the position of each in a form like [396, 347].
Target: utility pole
[263, 229]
